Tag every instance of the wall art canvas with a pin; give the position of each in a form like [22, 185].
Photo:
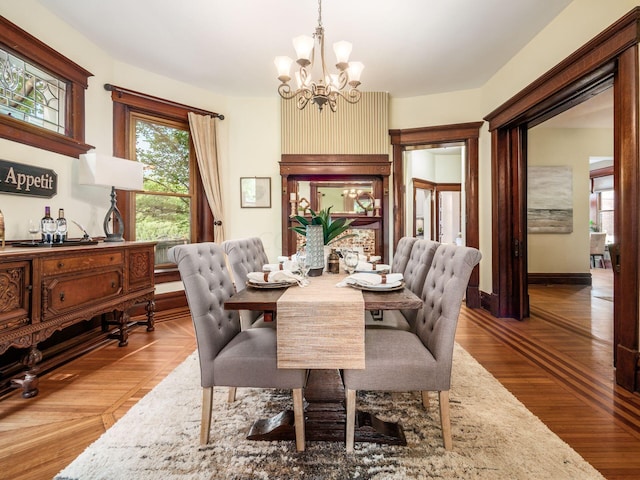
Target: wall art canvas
[549, 199]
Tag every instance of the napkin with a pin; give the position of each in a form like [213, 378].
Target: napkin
[277, 276]
[369, 267]
[283, 258]
[371, 279]
[369, 258]
[285, 265]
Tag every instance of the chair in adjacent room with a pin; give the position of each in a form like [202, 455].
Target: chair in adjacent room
[401, 361]
[597, 245]
[228, 356]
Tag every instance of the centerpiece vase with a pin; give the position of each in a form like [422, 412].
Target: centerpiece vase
[315, 249]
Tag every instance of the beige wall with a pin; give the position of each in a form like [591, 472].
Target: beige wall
[566, 253]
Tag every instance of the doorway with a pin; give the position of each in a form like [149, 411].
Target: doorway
[587, 72]
[565, 286]
[463, 134]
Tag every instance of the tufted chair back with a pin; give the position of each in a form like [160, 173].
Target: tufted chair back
[442, 294]
[207, 285]
[402, 254]
[245, 255]
[416, 270]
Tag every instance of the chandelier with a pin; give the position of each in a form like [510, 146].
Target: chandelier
[329, 86]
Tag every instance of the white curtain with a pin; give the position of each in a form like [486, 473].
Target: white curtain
[203, 132]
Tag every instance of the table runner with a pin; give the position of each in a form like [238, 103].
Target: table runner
[321, 325]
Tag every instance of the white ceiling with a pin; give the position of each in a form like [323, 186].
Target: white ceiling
[409, 47]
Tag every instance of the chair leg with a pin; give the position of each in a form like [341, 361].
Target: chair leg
[351, 420]
[207, 406]
[232, 394]
[445, 419]
[298, 415]
[425, 398]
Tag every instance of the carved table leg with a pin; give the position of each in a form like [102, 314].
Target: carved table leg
[29, 383]
[151, 309]
[122, 334]
[124, 329]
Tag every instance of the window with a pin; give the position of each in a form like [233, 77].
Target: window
[173, 207]
[41, 94]
[163, 210]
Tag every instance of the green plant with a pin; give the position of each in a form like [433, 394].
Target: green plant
[331, 229]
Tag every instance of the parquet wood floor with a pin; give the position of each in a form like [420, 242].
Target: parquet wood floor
[558, 363]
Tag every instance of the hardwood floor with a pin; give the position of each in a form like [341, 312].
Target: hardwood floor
[558, 363]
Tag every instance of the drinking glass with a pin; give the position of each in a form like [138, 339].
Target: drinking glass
[303, 264]
[351, 259]
[34, 230]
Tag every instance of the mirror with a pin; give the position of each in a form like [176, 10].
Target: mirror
[348, 197]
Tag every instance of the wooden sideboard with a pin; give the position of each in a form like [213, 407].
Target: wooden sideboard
[47, 289]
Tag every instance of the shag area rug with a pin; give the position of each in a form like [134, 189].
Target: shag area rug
[494, 437]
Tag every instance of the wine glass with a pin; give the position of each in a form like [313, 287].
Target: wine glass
[351, 259]
[34, 230]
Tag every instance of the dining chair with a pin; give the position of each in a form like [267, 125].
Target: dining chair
[228, 356]
[402, 254]
[597, 247]
[401, 361]
[246, 255]
[415, 273]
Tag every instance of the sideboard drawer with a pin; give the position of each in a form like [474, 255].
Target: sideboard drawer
[84, 262]
[65, 293]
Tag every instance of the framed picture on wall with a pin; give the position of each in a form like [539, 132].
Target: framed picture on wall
[255, 192]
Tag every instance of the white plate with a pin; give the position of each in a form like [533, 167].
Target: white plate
[383, 287]
[268, 285]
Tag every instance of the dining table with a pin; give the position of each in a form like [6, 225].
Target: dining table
[321, 328]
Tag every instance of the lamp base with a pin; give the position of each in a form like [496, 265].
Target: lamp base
[117, 224]
[114, 237]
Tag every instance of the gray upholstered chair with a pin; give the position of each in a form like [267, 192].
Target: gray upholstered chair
[246, 255]
[415, 273]
[228, 356]
[401, 361]
[402, 254]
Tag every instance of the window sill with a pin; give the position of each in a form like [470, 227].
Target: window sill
[22, 132]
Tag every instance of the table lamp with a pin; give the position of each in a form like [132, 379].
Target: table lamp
[114, 172]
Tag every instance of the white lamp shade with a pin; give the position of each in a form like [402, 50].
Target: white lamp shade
[304, 46]
[97, 169]
[283, 65]
[355, 71]
[342, 50]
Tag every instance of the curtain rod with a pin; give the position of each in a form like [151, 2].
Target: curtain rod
[119, 90]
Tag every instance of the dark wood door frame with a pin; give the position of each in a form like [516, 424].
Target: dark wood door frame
[610, 59]
[466, 133]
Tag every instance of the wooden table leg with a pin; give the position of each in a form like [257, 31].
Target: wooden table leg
[325, 417]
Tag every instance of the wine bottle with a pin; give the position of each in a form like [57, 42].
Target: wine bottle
[62, 227]
[48, 226]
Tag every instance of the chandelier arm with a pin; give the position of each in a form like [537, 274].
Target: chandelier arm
[352, 96]
[284, 89]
